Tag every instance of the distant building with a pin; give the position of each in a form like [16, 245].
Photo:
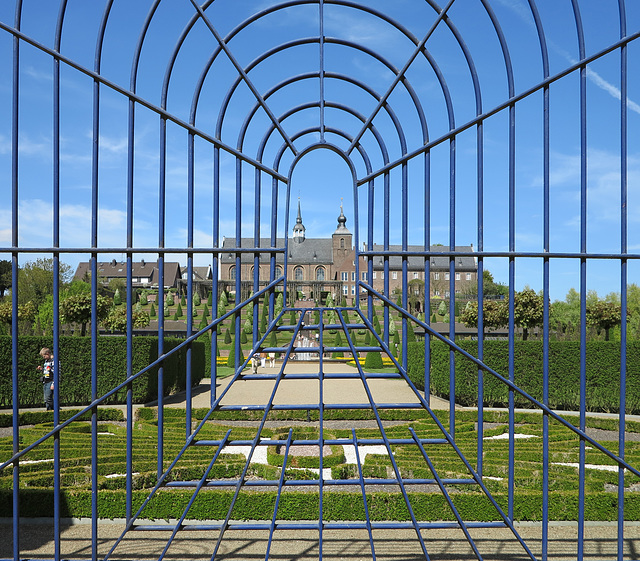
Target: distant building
[144, 274]
[319, 266]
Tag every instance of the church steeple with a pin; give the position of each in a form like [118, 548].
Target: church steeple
[299, 229]
[342, 220]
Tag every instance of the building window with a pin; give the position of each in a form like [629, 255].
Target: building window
[416, 275]
[344, 275]
[447, 294]
[437, 293]
[436, 276]
[394, 275]
[298, 273]
[278, 271]
[341, 243]
[364, 276]
[320, 274]
[345, 289]
[468, 276]
[446, 276]
[232, 273]
[382, 275]
[353, 290]
[457, 276]
[353, 276]
[375, 275]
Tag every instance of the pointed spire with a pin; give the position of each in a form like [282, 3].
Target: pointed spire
[299, 229]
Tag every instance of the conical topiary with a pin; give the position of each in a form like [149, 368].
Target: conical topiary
[227, 337]
[152, 311]
[337, 343]
[231, 360]
[373, 360]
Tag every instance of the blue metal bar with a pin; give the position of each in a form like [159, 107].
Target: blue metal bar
[200, 485]
[623, 271]
[581, 433]
[280, 486]
[254, 443]
[15, 104]
[243, 74]
[322, 74]
[361, 480]
[442, 14]
[512, 100]
[386, 441]
[583, 275]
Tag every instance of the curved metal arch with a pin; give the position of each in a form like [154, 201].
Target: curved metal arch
[308, 76]
[311, 40]
[284, 5]
[347, 109]
[342, 42]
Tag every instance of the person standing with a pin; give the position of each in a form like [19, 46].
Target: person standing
[47, 377]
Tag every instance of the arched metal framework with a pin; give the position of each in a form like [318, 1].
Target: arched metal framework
[417, 151]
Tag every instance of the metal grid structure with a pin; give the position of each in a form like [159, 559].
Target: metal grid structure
[397, 145]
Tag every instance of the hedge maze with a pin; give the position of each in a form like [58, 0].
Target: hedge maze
[340, 499]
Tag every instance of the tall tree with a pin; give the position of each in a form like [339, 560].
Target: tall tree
[35, 280]
[77, 309]
[604, 315]
[528, 308]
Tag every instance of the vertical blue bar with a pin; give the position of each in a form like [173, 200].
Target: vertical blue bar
[480, 285]
[427, 276]
[215, 270]
[583, 277]
[623, 275]
[160, 298]
[512, 280]
[452, 281]
[190, 227]
[239, 272]
[14, 280]
[130, 153]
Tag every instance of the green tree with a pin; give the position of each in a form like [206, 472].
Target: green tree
[442, 308]
[528, 308]
[169, 301]
[227, 337]
[116, 298]
[373, 361]
[35, 280]
[179, 310]
[495, 314]
[337, 343]
[152, 311]
[77, 309]
[117, 319]
[196, 299]
[604, 315]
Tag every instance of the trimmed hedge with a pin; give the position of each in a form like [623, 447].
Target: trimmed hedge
[256, 505]
[602, 373]
[75, 361]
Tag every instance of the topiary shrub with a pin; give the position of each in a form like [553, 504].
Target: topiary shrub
[373, 360]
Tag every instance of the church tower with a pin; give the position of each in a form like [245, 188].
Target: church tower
[299, 229]
[342, 238]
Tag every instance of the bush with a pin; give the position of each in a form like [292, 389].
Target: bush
[602, 373]
[75, 360]
[373, 360]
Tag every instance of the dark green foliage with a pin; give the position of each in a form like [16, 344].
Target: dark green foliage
[373, 360]
[227, 337]
[243, 337]
[602, 372]
[337, 343]
[75, 358]
[152, 311]
[231, 360]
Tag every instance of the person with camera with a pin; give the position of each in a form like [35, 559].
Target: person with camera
[47, 377]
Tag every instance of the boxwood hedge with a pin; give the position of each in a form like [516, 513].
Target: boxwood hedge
[75, 360]
[602, 373]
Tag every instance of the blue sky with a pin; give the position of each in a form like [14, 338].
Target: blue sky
[322, 179]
